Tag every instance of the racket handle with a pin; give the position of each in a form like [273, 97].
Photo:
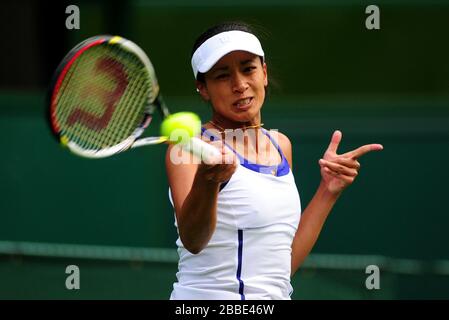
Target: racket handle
[203, 150]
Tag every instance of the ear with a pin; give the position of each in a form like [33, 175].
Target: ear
[265, 75]
[202, 90]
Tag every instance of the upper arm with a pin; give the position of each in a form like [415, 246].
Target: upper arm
[286, 147]
[180, 177]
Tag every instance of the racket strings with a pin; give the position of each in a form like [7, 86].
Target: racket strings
[102, 98]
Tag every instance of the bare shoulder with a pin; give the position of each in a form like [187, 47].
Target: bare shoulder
[180, 173]
[284, 141]
[179, 164]
[286, 146]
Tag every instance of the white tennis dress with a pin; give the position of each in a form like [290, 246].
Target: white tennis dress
[249, 254]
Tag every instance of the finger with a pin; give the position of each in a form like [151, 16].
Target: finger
[223, 151]
[335, 141]
[230, 157]
[354, 154]
[338, 168]
[347, 162]
[218, 172]
[346, 179]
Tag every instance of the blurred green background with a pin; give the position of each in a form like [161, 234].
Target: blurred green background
[112, 217]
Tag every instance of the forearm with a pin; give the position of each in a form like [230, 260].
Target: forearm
[198, 217]
[312, 221]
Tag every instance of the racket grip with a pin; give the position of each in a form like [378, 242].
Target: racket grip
[203, 150]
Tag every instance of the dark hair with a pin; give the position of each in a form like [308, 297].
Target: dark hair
[222, 27]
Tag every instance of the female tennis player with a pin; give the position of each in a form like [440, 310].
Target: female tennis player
[238, 221]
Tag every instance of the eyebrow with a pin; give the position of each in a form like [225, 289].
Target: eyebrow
[246, 61]
[241, 63]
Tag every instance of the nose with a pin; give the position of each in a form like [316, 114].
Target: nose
[239, 84]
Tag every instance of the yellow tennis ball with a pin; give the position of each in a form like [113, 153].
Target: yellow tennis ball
[180, 126]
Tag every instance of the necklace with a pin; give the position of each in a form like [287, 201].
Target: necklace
[256, 126]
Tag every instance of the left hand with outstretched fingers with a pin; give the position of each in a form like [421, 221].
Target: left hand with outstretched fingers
[338, 171]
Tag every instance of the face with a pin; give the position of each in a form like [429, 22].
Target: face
[236, 86]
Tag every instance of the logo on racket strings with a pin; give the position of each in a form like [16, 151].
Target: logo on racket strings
[110, 99]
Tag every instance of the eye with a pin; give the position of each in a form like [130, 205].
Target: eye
[221, 76]
[249, 69]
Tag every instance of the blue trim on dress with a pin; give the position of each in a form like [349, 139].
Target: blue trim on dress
[239, 265]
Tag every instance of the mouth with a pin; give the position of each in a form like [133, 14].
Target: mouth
[243, 104]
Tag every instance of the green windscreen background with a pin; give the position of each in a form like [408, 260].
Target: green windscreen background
[327, 72]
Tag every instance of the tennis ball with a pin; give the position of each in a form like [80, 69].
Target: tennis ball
[181, 126]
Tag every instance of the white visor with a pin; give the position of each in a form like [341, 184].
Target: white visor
[214, 48]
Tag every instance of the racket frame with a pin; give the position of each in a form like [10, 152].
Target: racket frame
[153, 103]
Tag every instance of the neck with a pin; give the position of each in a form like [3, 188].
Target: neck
[223, 123]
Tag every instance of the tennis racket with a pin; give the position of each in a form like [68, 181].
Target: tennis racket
[103, 95]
